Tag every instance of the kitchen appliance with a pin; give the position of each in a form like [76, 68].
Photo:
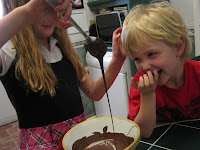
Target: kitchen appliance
[118, 92]
[107, 23]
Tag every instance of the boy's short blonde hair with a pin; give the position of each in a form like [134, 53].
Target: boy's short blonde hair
[157, 21]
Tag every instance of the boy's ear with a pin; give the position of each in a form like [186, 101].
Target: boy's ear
[180, 49]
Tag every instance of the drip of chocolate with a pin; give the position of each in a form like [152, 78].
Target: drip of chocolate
[103, 141]
[98, 49]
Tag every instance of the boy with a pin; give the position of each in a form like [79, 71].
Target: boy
[167, 84]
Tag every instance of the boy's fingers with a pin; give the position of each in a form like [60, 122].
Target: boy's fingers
[155, 73]
[141, 82]
[151, 78]
[146, 80]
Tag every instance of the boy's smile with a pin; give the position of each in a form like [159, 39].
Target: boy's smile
[156, 55]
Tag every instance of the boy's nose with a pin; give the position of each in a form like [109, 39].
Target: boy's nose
[146, 66]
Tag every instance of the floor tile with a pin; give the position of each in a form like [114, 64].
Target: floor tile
[178, 138]
[158, 131]
[158, 148]
[192, 123]
[142, 146]
[10, 145]
[9, 139]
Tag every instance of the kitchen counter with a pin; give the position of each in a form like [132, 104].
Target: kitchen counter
[183, 135]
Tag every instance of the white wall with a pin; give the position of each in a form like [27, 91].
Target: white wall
[90, 15]
[185, 8]
[1, 11]
[7, 112]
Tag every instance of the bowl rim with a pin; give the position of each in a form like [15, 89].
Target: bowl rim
[135, 140]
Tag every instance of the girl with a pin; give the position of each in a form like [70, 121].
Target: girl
[42, 74]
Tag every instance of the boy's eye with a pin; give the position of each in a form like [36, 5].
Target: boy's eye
[136, 59]
[151, 54]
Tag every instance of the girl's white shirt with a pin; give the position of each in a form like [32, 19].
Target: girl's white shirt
[8, 53]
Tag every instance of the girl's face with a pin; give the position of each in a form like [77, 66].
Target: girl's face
[158, 56]
[43, 31]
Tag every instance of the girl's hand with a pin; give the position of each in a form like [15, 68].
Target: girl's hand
[40, 12]
[118, 51]
[147, 83]
[66, 6]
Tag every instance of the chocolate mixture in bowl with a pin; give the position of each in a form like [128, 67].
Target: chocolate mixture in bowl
[103, 141]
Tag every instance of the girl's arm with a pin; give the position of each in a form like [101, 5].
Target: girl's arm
[146, 117]
[95, 90]
[34, 12]
[11, 24]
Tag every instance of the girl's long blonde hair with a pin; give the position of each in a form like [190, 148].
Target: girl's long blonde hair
[30, 64]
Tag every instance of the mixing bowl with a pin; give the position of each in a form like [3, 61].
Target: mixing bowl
[86, 128]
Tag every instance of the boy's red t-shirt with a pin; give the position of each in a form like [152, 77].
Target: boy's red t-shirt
[173, 104]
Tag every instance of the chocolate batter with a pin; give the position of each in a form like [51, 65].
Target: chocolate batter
[104, 141]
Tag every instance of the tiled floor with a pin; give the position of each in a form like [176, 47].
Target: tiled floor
[9, 137]
[174, 136]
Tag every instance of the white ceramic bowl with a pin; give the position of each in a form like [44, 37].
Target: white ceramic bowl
[89, 126]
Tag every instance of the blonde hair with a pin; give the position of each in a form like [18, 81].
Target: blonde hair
[157, 21]
[30, 64]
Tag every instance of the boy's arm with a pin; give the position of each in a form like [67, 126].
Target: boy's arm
[146, 117]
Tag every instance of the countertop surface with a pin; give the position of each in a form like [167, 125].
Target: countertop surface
[184, 135]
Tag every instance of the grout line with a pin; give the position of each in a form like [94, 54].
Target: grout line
[145, 142]
[177, 122]
[154, 145]
[162, 147]
[160, 137]
[188, 126]
[165, 124]
[185, 121]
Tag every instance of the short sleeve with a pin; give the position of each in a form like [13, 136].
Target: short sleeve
[134, 103]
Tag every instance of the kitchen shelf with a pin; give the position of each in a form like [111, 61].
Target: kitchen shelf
[99, 4]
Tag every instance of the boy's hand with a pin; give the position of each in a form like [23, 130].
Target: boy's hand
[147, 83]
